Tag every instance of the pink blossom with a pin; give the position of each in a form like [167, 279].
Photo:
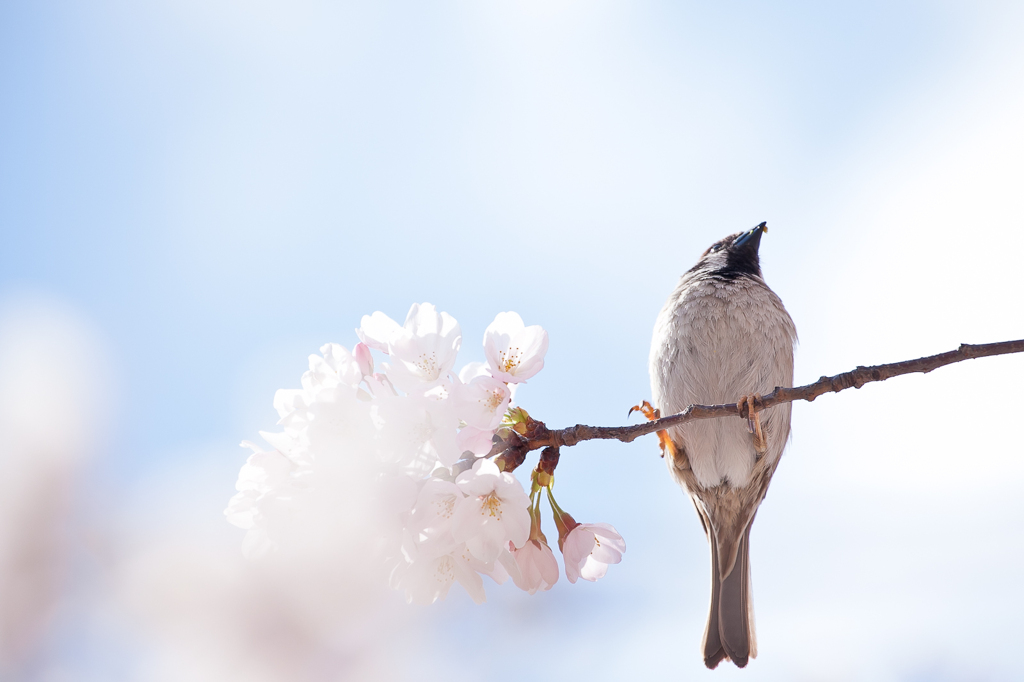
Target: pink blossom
[537, 565]
[588, 549]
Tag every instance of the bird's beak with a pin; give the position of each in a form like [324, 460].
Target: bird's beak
[751, 239]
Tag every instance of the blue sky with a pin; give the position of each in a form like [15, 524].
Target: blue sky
[214, 189]
[188, 174]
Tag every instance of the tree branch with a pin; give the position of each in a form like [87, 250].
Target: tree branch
[537, 435]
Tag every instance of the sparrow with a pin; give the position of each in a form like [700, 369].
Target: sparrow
[722, 337]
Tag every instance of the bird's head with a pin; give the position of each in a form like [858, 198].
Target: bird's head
[734, 256]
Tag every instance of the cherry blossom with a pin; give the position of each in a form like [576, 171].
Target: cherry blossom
[392, 452]
[472, 370]
[266, 484]
[588, 549]
[482, 402]
[425, 580]
[424, 349]
[477, 441]
[336, 365]
[415, 432]
[426, 570]
[514, 351]
[435, 507]
[336, 421]
[376, 330]
[536, 562]
[494, 513]
[538, 566]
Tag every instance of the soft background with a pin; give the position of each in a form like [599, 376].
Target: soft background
[195, 195]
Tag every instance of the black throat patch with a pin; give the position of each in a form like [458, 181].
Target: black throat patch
[740, 262]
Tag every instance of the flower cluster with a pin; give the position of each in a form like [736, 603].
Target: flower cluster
[405, 455]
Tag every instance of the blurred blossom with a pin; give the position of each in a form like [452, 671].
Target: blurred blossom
[373, 472]
[213, 616]
[53, 400]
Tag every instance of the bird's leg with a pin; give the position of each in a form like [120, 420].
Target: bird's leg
[746, 406]
[653, 413]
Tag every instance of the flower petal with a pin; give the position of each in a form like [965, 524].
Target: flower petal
[376, 330]
[477, 441]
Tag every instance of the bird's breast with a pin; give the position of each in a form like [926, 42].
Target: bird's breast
[714, 342]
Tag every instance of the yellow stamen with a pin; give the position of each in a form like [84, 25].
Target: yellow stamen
[508, 361]
[427, 363]
[491, 506]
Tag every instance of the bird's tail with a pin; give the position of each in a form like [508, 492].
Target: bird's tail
[730, 630]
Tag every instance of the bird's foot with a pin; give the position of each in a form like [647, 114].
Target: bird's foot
[647, 409]
[652, 413]
[747, 407]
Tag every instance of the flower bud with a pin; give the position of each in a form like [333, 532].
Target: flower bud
[542, 479]
[517, 419]
[361, 352]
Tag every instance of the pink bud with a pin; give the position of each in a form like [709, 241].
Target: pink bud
[364, 358]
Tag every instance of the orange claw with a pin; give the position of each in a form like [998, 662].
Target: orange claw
[653, 413]
[646, 409]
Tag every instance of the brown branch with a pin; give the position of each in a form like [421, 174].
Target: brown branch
[537, 435]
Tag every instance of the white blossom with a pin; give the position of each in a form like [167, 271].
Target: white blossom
[427, 579]
[494, 513]
[477, 441]
[482, 402]
[267, 484]
[472, 370]
[336, 365]
[435, 508]
[424, 350]
[376, 330]
[415, 432]
[514, 351]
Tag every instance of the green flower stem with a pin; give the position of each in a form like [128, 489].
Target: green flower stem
[554, 505]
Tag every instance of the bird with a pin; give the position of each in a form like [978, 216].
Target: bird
[723, 336]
